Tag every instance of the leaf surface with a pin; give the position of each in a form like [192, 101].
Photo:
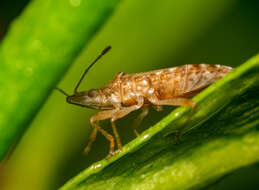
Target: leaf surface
[34, 58]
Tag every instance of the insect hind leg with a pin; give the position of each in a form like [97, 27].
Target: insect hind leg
[177, 101]
[173, 102]
[180, 131]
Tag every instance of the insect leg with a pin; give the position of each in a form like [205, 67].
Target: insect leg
[173, 102]
[93, 120]
[176, 102]
[139, 119]
[116, 134]
[91, 140]
[123, 111]
[181, 130]
[157, 107]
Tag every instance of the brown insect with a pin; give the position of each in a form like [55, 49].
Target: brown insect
[129, 92]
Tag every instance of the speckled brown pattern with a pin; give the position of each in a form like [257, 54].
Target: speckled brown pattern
[130, 92]
[162, 84]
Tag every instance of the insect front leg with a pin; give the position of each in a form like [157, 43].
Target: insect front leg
[94, 122]
[139, 119]
[91, 140]
[123, 111]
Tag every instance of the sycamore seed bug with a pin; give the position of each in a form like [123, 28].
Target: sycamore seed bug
[129, 92]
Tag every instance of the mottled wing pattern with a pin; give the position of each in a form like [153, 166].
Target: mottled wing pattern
[181, 81]
[197, 77]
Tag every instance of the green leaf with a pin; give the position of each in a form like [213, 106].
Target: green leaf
[36, 52]
[221, 141]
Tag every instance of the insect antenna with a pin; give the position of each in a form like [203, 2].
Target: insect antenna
[89, 67]
[62, 91]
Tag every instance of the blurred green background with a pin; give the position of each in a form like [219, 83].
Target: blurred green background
[144, 36]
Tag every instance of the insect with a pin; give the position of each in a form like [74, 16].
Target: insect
[129, 92]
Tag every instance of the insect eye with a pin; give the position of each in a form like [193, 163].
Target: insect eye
[92, 93]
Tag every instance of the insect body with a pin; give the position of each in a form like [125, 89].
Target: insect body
[130, 92]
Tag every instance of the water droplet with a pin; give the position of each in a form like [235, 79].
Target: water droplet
[95, 166]
[146, 136]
